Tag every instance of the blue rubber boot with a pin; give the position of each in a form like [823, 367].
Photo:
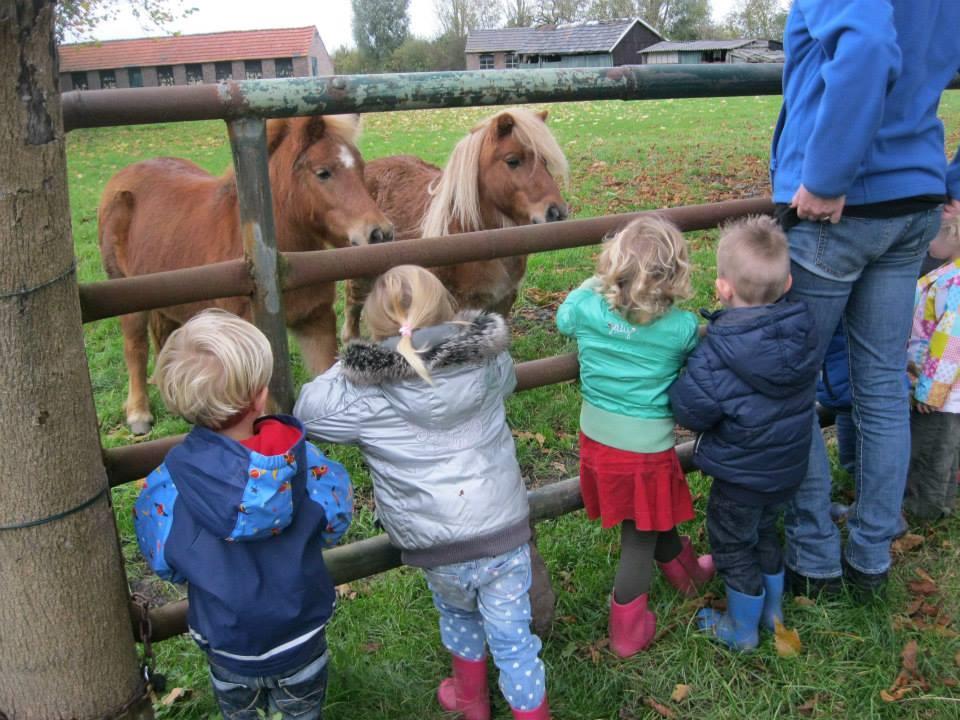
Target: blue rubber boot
[772, 600]
[738, 627]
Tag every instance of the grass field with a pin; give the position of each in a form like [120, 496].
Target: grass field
[387, 658]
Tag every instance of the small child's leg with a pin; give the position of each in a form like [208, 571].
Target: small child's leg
[930, 490]
[635, 570]
[668, 546]
[504, 602]
[770, 559]
[679, 563]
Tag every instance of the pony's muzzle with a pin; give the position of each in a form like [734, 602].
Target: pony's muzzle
[377, 234]
[556, 212]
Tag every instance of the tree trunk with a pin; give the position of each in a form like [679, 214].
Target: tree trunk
[66, 646]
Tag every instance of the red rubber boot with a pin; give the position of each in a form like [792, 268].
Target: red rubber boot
[467, 691]
[541, 713]
[631, 627]
[687, 572]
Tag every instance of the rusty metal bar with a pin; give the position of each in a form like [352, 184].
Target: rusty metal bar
[148, 292]
[248, 140]
[126, 464]
[414, 91]
[376, 555]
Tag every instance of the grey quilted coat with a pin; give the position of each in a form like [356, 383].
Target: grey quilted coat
[445, 474]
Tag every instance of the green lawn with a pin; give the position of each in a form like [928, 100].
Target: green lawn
[387, 658]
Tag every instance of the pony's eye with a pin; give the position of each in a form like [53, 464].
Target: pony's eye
[513, 162]
[322, 173]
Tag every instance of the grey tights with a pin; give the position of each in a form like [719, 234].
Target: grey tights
[638, 550]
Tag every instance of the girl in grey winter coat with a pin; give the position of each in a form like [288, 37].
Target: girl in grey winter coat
[424, 403]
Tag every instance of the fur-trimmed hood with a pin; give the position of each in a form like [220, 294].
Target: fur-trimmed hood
[471, 338]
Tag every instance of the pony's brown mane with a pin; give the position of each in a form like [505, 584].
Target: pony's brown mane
[455, 198]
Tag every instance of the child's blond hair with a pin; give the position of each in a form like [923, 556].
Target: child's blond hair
[211, 369]
[754, 257]
[403, 299]
[644, 269]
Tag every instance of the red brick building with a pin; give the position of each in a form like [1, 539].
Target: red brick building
[192, 59]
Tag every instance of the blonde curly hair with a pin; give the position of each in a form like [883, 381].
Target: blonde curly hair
[644, 269]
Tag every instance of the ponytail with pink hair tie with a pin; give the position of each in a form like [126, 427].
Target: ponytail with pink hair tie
[406, 330]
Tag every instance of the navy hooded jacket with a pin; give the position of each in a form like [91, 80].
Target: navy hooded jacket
[749, 391]
[246, 532]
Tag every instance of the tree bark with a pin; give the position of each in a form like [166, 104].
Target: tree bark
[66, 647]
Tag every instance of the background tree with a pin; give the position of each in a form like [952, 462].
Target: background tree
[66, 644]
[675, 19]
[553, 12]
[518, 13]
[759, 18]
[78, 19]
[458, 17]
[380, 27]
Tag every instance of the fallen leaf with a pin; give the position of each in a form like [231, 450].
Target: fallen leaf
[171, 697]
[924, 575]
[950, 681]
[786, 640]
[804, 600]
[345, 591]
[896, 695]
[956, 659]
[661, 710]
[924, 587]
[680, 693]
[908, 542]
[908, 657]
[372, 647]
[913, 607]
[810, 705]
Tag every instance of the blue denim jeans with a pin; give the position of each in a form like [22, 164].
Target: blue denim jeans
[865, 272]
[487, 601]
[298, 694]
[846, 441]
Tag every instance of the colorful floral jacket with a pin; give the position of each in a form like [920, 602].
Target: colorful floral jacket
[935, 339]
[246, 529]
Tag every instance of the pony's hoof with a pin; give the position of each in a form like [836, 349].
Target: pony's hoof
[141, 427]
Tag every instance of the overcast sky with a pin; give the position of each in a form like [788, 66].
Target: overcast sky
[332, 18]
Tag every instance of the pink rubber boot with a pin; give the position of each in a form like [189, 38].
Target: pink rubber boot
[687, 572]
[541, 713]
[467, 691]
[631, 626]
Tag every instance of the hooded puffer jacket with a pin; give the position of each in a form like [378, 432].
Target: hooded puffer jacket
[445, 475]
[246, 530]
[749, 391]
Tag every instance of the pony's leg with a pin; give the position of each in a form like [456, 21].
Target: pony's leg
[136, 348]
[355, 292]
[543, 599]
[317, 336]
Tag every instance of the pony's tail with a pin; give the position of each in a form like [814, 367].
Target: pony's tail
[410, 354]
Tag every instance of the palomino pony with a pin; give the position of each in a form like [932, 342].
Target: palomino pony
[501, 174]
[167, 213]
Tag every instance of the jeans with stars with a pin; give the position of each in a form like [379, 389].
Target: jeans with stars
[487, 602]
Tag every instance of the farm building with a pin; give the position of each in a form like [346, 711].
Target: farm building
[712, 51]
[193, 59]
[590, 43]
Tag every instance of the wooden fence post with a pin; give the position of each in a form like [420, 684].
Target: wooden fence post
[66, 643]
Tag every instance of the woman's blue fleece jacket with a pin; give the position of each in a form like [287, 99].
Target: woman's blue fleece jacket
[246, 531]
[862, 81]
[749, 390]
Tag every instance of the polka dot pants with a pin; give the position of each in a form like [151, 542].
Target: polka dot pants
[486, 602]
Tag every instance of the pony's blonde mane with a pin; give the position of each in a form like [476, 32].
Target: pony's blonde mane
[345, 127]
[456, 194]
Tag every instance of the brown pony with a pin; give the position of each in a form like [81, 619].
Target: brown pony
[167, 213]
[501, 174]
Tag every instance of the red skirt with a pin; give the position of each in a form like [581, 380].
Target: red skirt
[648, 488]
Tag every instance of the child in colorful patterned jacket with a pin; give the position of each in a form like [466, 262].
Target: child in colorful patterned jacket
[241, 511]
[934, 351]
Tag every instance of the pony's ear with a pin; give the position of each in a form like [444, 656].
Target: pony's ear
[277, 131]
[543, 115]
[314, 127]
[505, 123]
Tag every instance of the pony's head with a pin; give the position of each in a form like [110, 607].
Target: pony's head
[316, 175]
[503, 173]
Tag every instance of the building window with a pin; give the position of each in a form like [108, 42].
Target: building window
[165, 75]
[314, 67]
[224, 71]
[136, 77]
[511, 61]
[252, 69]
[108, 79]
[79, 81]
[486, 62]
[194, 74]
[284, 67]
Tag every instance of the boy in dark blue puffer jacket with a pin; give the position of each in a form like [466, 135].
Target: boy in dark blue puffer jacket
[749, 391]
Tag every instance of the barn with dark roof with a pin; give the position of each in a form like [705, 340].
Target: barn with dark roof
[193, 59]
[590, 43]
